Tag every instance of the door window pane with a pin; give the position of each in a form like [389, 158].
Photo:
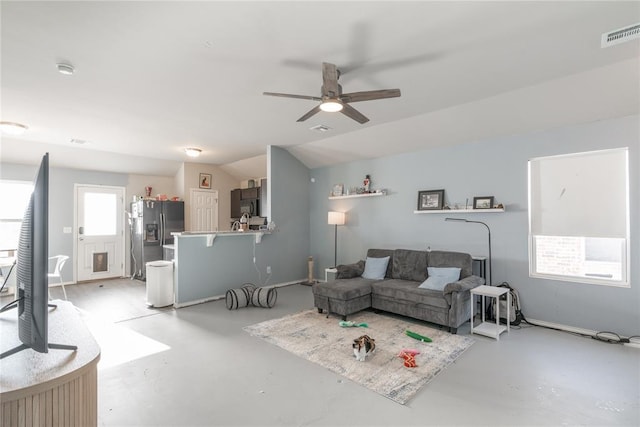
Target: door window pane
[100, 214]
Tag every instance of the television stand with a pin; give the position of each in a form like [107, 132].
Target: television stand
[65, 382]
[51, 346]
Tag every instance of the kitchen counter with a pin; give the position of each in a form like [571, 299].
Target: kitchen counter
[211, 235]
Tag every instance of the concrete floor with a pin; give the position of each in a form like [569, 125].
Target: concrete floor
[196, 366]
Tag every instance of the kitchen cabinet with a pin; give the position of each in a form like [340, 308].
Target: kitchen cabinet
[236, 197]
[250, 193]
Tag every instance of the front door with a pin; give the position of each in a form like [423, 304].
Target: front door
[99, 232]
[204, 210]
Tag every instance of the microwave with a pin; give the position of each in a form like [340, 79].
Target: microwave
[250, 207]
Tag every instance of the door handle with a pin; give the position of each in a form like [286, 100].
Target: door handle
[80, 230]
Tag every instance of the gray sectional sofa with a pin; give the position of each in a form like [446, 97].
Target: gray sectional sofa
[399, 291]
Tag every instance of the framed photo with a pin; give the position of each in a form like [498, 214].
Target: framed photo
[205, 180]
[484, 202]
[337, 190]
[430, 200]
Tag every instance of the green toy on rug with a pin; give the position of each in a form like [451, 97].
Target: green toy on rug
[417, 336]
[350, 324]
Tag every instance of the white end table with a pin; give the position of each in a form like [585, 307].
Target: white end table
[328, 271]
[487, 328]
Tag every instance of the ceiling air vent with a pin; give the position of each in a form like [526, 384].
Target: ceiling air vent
[620, 36]
[320, 128]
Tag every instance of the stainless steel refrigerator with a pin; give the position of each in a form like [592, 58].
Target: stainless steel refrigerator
[152, 223]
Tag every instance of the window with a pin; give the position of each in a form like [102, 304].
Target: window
[18, 192]
[579, 217]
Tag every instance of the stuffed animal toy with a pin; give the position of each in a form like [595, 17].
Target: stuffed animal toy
[409, 356]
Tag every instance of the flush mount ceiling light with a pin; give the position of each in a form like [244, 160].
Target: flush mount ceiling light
[331, 106]
[193, 152]
[66, 69]
[12, 128]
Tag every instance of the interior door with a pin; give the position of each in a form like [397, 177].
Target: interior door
[99, 232]
[204, 210]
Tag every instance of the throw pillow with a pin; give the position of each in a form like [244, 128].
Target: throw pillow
[375, 268]
[439, 277]
[349, 271]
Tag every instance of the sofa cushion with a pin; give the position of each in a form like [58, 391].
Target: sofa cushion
[408, 291]
[439, 277]
[344, 289]
[409, 265]
[451, 259]
[375, 268]
[348, 271]
[381, 253]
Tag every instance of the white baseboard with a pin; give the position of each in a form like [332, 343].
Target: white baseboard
[562, 327]
[635, 343]
[219, 297]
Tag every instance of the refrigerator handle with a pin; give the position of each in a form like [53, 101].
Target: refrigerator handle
[162, 229]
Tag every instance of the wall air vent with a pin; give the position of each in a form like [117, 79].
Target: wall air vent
[620, 36]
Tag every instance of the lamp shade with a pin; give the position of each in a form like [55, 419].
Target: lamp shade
[335, 218]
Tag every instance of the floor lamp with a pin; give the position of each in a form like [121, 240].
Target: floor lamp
[335, 219]
[488, 229]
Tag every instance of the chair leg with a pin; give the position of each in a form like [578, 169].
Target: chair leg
[64, 291]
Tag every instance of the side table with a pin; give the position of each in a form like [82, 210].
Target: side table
[488, 328]
[328, 271]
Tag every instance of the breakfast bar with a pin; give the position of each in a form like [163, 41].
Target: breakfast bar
[207, 264]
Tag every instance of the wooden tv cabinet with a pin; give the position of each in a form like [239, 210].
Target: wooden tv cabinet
[55, 388]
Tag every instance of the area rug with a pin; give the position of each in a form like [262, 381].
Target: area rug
[322, 340]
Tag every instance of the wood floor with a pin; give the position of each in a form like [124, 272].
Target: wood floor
[196, 366]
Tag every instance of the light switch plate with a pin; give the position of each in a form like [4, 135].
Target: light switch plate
[66, 230]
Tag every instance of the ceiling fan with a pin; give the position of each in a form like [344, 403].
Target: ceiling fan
[333, 100]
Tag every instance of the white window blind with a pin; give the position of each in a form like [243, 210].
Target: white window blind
[579, 216]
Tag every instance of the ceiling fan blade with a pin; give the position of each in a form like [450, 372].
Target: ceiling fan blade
[330, 85]
[351, 112]
[370, 95]
[311, 112]
[288, 95]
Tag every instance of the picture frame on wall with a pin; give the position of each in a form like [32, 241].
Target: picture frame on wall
[338, 190]
[430, 200]
[205, 180]
[483, 202]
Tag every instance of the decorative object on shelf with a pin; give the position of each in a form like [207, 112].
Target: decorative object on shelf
[205, 180]
[335, 219]
[430, 200]
[354, 195]
[367, 183]
[337, 190]
[147, 191]
[483, 202]
[488, 230]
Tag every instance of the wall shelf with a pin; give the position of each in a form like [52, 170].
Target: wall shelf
[353, 196]
[457, 211]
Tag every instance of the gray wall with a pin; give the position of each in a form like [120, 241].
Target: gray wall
[204, 272]
[496, 167]
[61, 201]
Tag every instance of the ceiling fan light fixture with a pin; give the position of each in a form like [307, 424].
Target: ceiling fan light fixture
[193, 152]
[331, 106]
[12, 128]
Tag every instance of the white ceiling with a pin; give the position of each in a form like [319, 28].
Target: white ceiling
[155, 77]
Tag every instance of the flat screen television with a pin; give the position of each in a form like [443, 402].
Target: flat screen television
[32, 268]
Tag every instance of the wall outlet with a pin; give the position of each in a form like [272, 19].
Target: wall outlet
[66, 230]
[268, 269]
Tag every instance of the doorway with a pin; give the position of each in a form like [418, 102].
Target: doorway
[99, 232]
[204, 210]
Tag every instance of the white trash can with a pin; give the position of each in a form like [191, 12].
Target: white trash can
[159, 283]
